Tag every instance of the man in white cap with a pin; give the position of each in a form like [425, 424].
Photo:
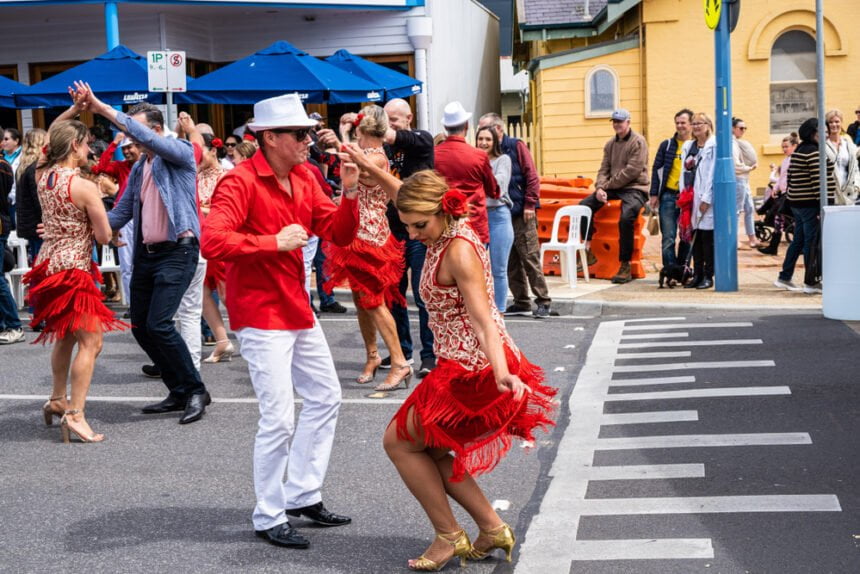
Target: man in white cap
[623, 175]
[466, 168]
[261, 215]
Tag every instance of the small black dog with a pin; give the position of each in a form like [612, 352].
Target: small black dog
[675, 274]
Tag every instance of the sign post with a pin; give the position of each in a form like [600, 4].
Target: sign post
[725, 204]
[166, 74]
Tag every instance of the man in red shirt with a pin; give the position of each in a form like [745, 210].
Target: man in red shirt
[262, 213]
[466, 168]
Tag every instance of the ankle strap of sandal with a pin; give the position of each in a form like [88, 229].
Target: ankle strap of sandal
[63, 397]
[73, 412]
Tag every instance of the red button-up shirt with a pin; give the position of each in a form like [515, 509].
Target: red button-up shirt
[266, 287]
[468, 169]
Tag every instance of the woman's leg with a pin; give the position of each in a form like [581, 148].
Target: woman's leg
[384, 323]
[61, 361]
[89, 347]
[749, 214]
[501, 241]
[216, 323]
[371, 347]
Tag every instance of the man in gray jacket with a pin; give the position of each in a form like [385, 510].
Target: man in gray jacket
[623, 175]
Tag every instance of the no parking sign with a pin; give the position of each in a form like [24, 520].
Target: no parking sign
[166, 71]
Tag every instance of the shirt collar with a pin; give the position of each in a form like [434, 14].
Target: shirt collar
[625, 138]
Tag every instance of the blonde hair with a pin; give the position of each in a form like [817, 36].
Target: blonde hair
[246, 149]
[62, 135]
[422, 193]
[34, 140]
[706, 119]
[834, 114]
[792, 139]
[374, 122]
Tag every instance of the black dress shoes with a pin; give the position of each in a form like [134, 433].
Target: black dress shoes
[693, 283]
[283, 535]
[195, 408]
[318, 513]
[705, 284]
[168, 405]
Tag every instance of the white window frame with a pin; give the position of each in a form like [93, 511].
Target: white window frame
[589, 113]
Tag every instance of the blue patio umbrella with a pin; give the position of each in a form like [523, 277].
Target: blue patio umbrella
[7, 89]
[396, 84]
[117, 77]
[280, 69]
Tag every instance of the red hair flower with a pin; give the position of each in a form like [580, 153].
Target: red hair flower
[44, 150]
[454, 203]
[248, 137]
[357, 120]
[217, 143]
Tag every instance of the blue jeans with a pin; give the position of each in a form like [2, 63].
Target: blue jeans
[806, 228]
[415, 253]
[8, 308]
[743, 198]
[501, 241]
[158, 283]
[319, 259]
[669, 214]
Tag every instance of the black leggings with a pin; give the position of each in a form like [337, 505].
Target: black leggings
[703, 254]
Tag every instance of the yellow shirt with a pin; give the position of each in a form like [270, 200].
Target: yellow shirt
[675, 172]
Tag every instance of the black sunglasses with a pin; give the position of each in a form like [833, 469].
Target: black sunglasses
[230, 144]
[300, 133]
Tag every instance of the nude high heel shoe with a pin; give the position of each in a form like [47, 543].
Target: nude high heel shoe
[49, 413]
[68, 428]
[401, 374]
[458, 540]
[224, 356]
[364, 378]
[502, 538]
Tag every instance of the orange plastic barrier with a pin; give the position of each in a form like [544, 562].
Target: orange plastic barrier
[571, 182]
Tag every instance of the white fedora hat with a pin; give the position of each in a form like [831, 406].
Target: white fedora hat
[455, 115]
[284, 111]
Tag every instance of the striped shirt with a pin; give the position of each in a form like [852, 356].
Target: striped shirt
[803, 176]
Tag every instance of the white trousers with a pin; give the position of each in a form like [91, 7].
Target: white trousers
[309, 251]
[280, 362]
[189, 313]
[126, 256]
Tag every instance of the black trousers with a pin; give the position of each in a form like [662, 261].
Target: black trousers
[632, 201]
[703, 254]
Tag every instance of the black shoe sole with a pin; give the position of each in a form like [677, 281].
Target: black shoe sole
[317, 522]
[298, 545]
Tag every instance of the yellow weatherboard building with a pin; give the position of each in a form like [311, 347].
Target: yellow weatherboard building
[655, 57]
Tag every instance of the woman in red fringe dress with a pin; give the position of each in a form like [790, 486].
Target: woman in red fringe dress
[64, 277]
[482, 394]
[373, 263]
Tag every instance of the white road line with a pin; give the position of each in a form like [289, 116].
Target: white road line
[711, 504]
[649, 417]
[237, 400]
[700, 393]
[651, 381]
[659, 355]
[645, 549]
[687, 326]
[656, 336]
[702, 440]
[685, 366]
[714, 343]
[648, 319]
[645, 471]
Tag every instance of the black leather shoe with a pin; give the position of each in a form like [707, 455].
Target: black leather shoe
[694, 282]
[283, 535]
[705, 284]
[151, 371]
[195, 408]
[168, 405]
[318, 513]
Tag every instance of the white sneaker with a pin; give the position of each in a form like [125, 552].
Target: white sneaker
[10, 336]
[787, 285]
[812, 289]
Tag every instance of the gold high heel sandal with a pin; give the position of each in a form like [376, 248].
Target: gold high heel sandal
[461, 545]
[66, 428]
[364, 378]
[224, 356]
[405, 378]
[50, 413]
[502, 537]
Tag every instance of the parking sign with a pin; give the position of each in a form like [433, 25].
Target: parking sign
[166, 71]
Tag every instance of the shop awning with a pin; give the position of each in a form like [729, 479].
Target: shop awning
[396, 84]
[7, 90]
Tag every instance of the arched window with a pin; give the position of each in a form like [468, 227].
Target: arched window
[792, 81]
[601, 92]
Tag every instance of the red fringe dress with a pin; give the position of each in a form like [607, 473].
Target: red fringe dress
[458, 405]
[207, 179]
[373, 263]
[64, 276]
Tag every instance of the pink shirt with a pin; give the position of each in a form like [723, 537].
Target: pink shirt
[154, 221]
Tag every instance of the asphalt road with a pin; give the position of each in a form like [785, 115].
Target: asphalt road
[160, 497]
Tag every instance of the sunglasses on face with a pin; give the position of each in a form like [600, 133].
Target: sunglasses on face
[742, 128]
[299, 133]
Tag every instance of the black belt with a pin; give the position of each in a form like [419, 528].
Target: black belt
[169, 245]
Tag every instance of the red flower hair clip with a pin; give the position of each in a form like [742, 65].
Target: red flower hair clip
[44, 150]
[454, 203]
[217, 143]
[357, 120]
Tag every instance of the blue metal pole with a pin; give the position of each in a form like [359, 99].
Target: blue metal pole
[111, 25]
[725, 209]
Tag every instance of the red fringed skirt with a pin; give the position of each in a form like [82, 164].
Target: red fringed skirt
[372, 271]
[463, 411]
[69, 301]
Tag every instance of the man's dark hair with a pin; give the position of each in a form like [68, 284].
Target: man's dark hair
[686, 111]
[153, 114]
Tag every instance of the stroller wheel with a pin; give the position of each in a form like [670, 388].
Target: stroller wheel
[762, 232]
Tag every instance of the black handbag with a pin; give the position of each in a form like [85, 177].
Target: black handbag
[8, 261]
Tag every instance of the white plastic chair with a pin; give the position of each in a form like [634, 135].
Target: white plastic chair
[16, 276]
[109, 265]
[573, 245]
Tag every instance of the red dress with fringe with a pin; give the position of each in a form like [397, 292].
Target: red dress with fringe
[373, 263]
[64, 277]
[207, 179]
[457, 405]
